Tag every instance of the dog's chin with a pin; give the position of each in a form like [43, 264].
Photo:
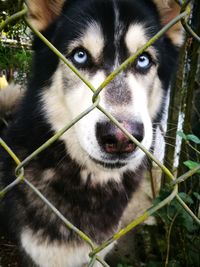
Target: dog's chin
[124, 161]
[113, 161]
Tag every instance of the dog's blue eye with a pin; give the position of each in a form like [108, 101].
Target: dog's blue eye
[80, 57]
[143, 62]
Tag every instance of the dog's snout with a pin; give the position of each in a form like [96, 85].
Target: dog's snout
[113, 141]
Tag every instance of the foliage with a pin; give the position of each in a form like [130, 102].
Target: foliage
[15, 60]
[15, 29]
[189, 137]
[123, 265]
[15, 55]
[181, 235]
[193, 142]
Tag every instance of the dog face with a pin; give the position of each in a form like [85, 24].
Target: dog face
[97, 36]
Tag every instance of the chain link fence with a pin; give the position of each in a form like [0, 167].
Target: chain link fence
[174, 184]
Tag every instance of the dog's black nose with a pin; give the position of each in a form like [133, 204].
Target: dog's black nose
[113, 141]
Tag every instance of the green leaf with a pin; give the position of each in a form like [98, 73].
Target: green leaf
[197, 195]
[154, 264]
[186, 221]
[193, 138]
[182, 135]
[174, 263]
[191, 164]
[123, 265]
[186, 198]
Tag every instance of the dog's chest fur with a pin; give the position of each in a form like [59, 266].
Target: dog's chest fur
[93, 208]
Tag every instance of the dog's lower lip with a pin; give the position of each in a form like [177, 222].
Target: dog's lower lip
[110, 165]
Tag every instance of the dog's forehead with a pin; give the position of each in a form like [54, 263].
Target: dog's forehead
[92, 38]
[107, 23]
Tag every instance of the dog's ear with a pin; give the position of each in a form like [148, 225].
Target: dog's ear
[169, 9]
[43, 12]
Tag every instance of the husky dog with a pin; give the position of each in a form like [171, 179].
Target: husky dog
[91, 172]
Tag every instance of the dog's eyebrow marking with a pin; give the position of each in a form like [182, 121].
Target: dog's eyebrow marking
[136, 37]
[91, 39]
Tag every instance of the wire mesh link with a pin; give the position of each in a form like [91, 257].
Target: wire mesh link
[184, 21]
[95, 104]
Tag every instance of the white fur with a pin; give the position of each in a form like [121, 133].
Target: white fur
[100, 176]
[136, 37]
[57, 254]
[141, 114]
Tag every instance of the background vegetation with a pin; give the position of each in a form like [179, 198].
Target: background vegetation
[15, 44]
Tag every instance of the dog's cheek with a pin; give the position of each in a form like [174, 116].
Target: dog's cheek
[139, 96]
[78, 95]
[140, 106]
[53, 103]
[78, 100]
[155, 98]
[153, 90]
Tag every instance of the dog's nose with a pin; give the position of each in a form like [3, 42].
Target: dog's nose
[113, 141]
